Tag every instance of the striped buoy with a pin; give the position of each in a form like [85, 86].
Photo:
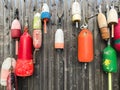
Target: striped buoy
[45, 15]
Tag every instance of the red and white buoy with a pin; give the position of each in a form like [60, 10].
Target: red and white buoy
[6, 69]
[16, 30]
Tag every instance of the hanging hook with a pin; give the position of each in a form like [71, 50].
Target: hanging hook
[84, 26]
[26, 24]
[17, 13]
[34, 8]
[112, 4]
[26, 21]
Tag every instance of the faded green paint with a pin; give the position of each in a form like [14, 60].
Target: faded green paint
[37, 21]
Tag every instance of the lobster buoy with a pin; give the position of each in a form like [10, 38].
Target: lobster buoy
[76, 13]
[102, 22]
[37, 33]
[24, 66]
[109, 60]
[112, 19]
[85, 46]
[16, 32]
[15, 29]
[59, 39]
[5, 69]
[117, 36]
[45, 15]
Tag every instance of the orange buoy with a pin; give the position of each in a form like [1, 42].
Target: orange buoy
[85, 46]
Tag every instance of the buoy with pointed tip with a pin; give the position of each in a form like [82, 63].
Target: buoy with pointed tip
[24, 65]
[117, 36]
[45, 15]
[59, 39]
[102, 23]
[76, 13]
[37, 33]
[112, 19]
[85, 46]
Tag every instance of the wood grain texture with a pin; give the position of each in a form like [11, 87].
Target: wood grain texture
[57, 69]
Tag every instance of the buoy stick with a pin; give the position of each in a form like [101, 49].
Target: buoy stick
[76, 24]
[34, 54]
[112, 31]
[109, 81]
[45, 30]
[16, 43]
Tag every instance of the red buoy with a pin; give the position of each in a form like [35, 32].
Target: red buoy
[24, 66]
[117, 36]
[85, 46]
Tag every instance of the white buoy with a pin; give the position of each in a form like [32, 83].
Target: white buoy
[59, 39]
[5, 69]
[76, 13]
[112, 16]
[112, 19]
[102, 22]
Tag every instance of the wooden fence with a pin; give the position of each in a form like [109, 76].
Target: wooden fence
[57, 70]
